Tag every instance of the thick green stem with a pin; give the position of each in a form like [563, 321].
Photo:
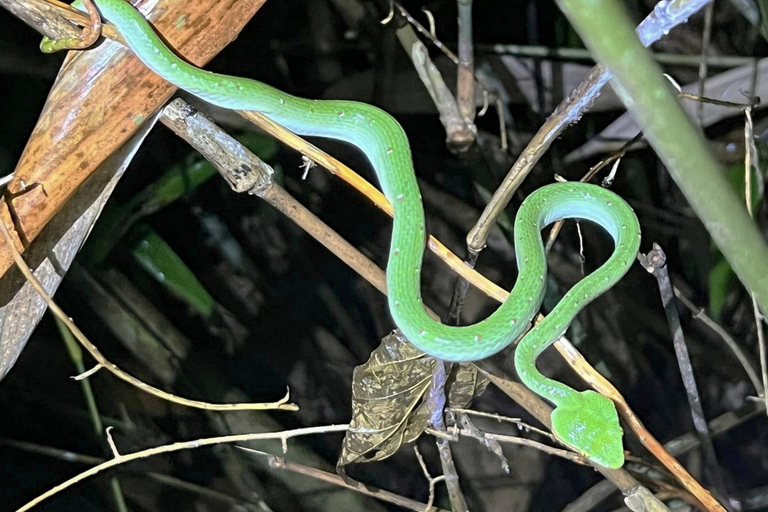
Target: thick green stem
[609, 34]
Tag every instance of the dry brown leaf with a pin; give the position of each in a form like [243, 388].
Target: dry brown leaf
[387, 405]
[465, 383]
[386, 401]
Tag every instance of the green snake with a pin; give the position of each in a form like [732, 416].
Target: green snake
[586, 421]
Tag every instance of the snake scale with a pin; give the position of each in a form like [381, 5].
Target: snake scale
[586, 421]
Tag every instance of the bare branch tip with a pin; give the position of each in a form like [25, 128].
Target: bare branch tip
[391, 14]
[111, 442]
[88, 373]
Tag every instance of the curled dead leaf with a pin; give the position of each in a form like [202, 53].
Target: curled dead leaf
[387, 399]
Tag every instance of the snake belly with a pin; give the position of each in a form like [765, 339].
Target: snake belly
[385, 144]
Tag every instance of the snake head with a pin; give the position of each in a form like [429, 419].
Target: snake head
[589, 424]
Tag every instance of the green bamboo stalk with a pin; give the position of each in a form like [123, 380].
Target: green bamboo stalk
[608, 32]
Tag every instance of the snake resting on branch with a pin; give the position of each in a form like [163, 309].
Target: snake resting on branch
[585, 421]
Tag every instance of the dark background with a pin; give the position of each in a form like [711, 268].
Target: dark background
[304, 319]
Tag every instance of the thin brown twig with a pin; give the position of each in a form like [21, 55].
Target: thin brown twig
[345, 173]
[276, 462]
[679, 446]
[279, 462]
[699, 314]
[523, 441]
[603, 386]
[714, 101]
[368, 490]
[703, 64]
[436, 399]
[175, 447]
[568, 112]
[564, 347]
[489, 94]
[465, 81]
[453, 436]
[614, 158]
[572, 356]
[102, 361]
[426, 33]
[79, 458]
[322, 232]
[655, 262]
[460, 133]
[582, 54]
[432, 481]
[434, 245]
[498, 417]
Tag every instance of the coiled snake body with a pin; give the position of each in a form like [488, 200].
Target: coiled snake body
[586, 421]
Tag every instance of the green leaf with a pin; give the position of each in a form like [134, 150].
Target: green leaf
[160, 261]
[721, 276]
[762, 6]
[176, 183]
